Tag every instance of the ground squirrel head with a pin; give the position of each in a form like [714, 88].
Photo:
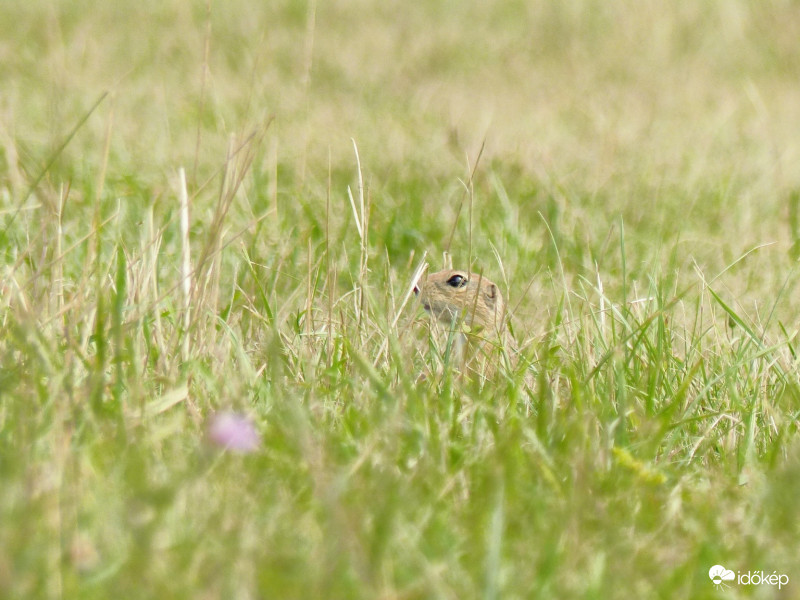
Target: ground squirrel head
[455, 295]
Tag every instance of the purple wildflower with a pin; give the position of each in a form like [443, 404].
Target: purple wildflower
[234, 431]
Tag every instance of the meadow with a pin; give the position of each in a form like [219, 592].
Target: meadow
[212, 207]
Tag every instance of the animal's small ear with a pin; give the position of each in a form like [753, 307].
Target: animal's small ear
[491, 291]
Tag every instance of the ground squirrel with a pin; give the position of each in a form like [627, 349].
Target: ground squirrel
[469, 304]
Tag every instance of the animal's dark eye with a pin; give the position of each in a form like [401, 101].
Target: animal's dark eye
[457, 281]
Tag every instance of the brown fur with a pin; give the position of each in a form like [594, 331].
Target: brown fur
[453, 296]
[473, 306]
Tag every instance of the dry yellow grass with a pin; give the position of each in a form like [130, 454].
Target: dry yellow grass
[627, 171]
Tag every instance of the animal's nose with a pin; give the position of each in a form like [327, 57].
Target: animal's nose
[416, 291]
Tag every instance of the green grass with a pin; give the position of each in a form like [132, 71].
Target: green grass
[626, 172]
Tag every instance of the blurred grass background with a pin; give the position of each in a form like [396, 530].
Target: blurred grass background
[635, 196]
